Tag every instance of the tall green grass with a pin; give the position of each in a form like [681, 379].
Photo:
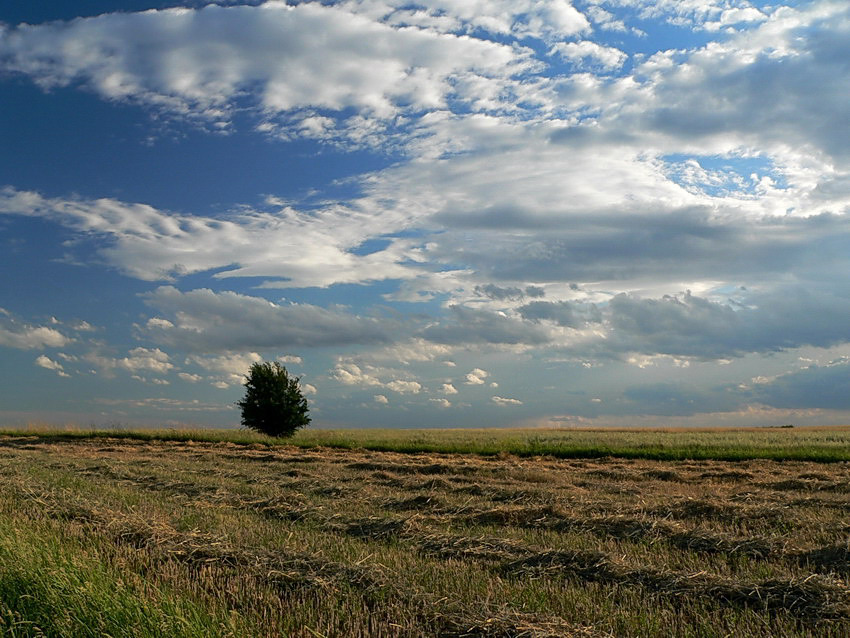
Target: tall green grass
[824, 444]
[51, 587]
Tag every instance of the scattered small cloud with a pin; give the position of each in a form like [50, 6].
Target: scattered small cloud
[476, 377]
[47, 363]
[404, 387]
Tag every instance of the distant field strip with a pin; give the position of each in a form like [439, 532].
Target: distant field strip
[820, 444]
[253, 540]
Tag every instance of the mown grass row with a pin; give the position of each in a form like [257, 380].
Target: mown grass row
[232, 540]
[825, 444]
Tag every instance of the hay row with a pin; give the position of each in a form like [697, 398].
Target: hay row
[630, 528]
[832, 559]
[827, 560]
[162, 542]
[815, 597]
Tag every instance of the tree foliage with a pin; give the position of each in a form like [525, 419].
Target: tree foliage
[273, 403]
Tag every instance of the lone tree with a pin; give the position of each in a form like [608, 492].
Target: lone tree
[273, 403]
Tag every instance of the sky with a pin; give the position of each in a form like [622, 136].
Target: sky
[437, 213]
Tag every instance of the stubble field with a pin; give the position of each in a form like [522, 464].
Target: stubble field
[127, 537]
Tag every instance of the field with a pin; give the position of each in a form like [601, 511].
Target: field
[139, 536]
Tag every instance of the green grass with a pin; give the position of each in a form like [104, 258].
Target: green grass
[820, 444]
[53, 586]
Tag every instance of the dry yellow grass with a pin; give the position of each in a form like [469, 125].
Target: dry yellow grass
[288, 541]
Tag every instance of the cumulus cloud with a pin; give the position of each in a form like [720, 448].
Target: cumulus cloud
[524, 18]
[504, 401]
[404, 387]
[775, 85]
[200, 62]
[675, 399]
[410, 351]
[469, 325]
[563, 313]
[476, 376]
[381, 399]
[138, 361]
[365, 375]
[587, 53]
[442, 403]
[448, 388]
[167, 404]
[46, 362]
[146, 359]
[206, 321]
[24, 336]
[510, 293]
[816, 386]
[230, 367]
[698, 327]
[349, 373]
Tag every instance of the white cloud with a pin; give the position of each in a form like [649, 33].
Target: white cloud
[465, 325]
[199, 62]
[151, 381]
[191, 378]
[167, 404]
[141, 359]
[522, 18]
[158, 323]
[448, 388]
[404, 387]
[290, 358]
[308, 389]
[736, 16]
[605, 19]
[208, 321]
[351, 374]
[380, 398]
[45, 362]
[503, 401]
[365, 375]
[230, 367]
[587, 53]
[303, 248]
[13, 334]
[406, 352]
[476, 377]
[442, 403]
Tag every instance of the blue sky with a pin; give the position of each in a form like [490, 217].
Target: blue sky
[437, 213]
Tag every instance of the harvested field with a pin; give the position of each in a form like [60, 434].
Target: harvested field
[136, 538]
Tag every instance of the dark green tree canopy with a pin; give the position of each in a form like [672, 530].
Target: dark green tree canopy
[273, 403]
